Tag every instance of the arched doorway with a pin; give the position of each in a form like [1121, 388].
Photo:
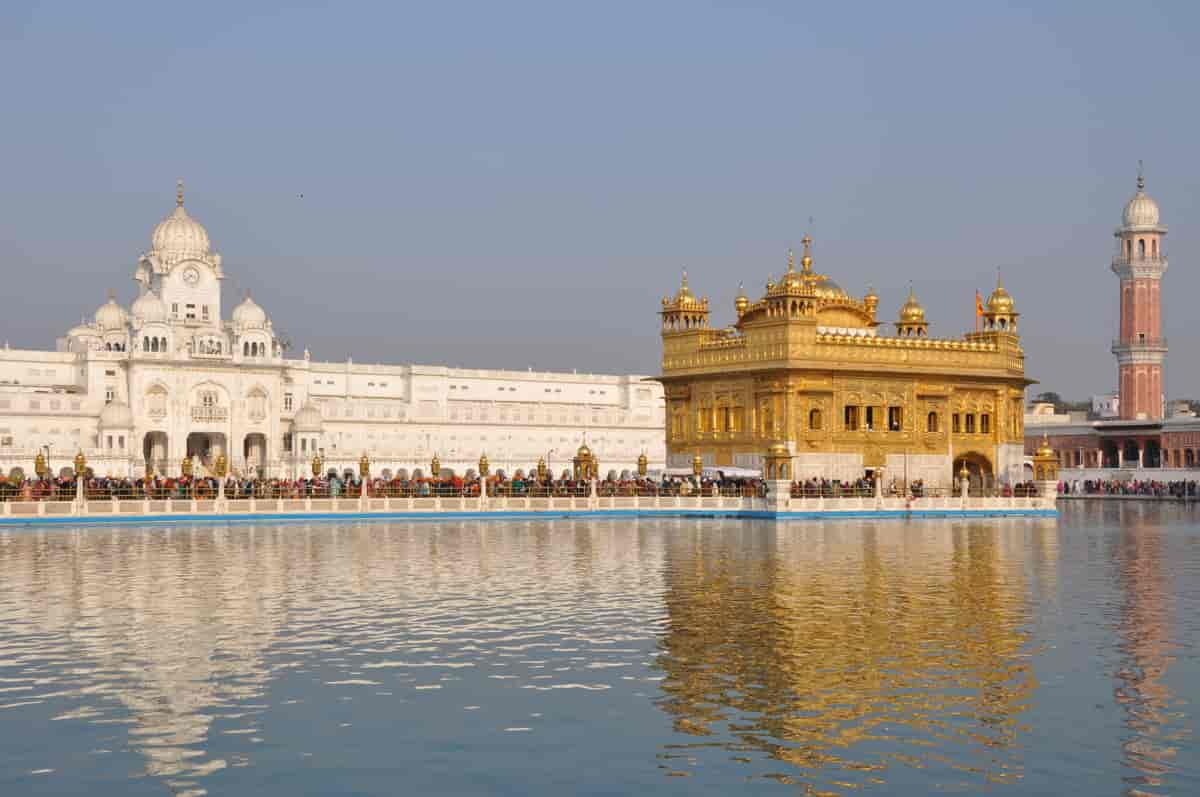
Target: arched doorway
[979, 469]
[1110, 454]
[1129, 454]
[206, 446]
[1152, 454]
[254, 452]
[154, 451]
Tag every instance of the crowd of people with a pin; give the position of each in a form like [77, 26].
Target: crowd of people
[1150, 488]
[349, 484]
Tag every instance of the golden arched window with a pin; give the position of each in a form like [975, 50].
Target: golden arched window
[814, 419]
[931, 422]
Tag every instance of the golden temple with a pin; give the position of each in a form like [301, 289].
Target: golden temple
[807, 367]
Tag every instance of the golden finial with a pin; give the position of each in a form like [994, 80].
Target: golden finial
[806, 261]
[1141, 177]
[179, 193]
[791, 261]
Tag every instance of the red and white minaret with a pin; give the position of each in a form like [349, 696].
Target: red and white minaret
[1140, 347]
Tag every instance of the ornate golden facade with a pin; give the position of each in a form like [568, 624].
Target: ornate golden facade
[807, 366]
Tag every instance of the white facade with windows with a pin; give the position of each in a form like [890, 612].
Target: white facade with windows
[170, 378]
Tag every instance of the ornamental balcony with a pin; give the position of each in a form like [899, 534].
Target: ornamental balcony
[1139, 344]
[210, 414]
[1122, 263]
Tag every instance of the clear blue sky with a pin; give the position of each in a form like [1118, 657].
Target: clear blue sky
[517, 184]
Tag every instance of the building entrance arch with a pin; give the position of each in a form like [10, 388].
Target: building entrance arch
[254, 451]
[1151, 454]
[1129, 454]
[978, 467]
[205, 446]
[154, 451]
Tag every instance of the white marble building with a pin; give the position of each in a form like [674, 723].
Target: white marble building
[170, 377]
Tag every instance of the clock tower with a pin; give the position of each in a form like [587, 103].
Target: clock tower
[187, 272]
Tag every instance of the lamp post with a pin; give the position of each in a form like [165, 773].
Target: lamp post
[435, 466]
[80, 470]
[642, 465]
[364, 471]
[221, 467]
[316, 465]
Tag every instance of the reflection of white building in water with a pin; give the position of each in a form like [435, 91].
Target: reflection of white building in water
[170, 377]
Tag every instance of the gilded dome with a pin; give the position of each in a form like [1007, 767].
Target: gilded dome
[1141, 210]
[1044, 449]
[1001, 301]
[911, 312]
[111, 316]
[149, 309]
[249, 314]
[179, 237]
[584, 452]
[116, 415]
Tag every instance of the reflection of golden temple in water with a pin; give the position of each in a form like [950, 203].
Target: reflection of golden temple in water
[1144, 628]
[833, 638]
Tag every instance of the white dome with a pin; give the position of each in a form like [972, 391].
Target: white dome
[149, 309]
[179, 237]
[111, 316]
[249, 314]
[116, 415]
[308, 419]
[83, 331]
[1141, 210]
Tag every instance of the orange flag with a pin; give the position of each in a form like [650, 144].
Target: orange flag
[978, 305]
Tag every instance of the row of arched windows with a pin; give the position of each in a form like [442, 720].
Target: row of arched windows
[254, 349]
[114, 347]
[1141, 248]
[154, 344]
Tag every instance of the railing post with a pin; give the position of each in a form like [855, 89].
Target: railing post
[964, 484]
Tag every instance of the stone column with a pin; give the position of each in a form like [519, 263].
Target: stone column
[1140, 449]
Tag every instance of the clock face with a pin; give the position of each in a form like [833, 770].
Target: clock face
[191, 275]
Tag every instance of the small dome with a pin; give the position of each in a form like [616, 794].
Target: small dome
[249, 314]
[584, 452]
[1044, 450]
[179, 237]
[149, 309]
[1000, 301]
[116, 415]
[111, 316]
[308, 419]
[912, 312]
[83, 331]
[1141, 210]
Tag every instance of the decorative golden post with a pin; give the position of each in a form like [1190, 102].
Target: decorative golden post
[541, 469]
[697, 465]
[80, 470]
[221, 467]
[435, 466]
[185, 467]
[643, 464]
[582, 463]
[39, 465]
[1045, 469]
[364, 472]
[483, 467]
[964, 480]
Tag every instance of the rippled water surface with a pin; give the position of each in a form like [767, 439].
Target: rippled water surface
[558, 657]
